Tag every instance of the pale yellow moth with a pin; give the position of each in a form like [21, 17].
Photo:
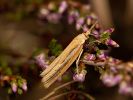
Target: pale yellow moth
[65, 59]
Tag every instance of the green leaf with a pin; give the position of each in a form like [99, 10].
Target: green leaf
[9, 90]
[19, 82]
[8, 71]
[81, 86]
[101, 70]
[55, 48]
[91, 38]
[20, 91]
[65, 77]
[105, 35]
[4, 64]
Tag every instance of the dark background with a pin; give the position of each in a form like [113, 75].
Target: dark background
[20, 37]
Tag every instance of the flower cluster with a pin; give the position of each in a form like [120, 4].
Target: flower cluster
[54, 12]
[18, 84]
[113, 71]
[15, 83]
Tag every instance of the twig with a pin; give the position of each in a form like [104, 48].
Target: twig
[51, 93]
[78, 92]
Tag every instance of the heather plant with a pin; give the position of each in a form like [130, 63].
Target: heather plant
[95, 53]
[112, 71]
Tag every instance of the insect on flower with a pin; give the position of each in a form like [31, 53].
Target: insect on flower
[65, 59]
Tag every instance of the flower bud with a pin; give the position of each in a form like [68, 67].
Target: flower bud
[43, 12]
[53, 18]
[51, 6]
[110, 80]
[89, 57]
[62, 7]
[24, 86]
[109, 30]
[125, 88]
[79, 77]
[79, 23]
[71, 17]
[96, 34]
[14, 87]
[101, 55]
[88, 20]
[85, 28]
[112, 43]
[41, 59]
[60, 79]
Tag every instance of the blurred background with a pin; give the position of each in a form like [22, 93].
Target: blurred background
[21, 32]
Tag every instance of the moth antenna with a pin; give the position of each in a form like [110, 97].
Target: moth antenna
[89, 31]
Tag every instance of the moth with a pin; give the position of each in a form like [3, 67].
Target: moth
[65, 59]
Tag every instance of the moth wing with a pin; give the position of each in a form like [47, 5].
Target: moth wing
[62, 70]
[75, 42]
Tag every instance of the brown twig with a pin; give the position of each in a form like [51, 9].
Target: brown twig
[51, 93]
[78, 92]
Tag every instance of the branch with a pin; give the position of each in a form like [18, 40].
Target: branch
[78, 92]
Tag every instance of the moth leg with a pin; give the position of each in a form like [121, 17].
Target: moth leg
[77, 61]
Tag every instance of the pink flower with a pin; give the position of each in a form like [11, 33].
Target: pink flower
[88, 20]
[79, 23]
[89, 57]
[112, 43]
[51, 6]
[71, 17]
[85, 28]
[110, 80]
[96, 34]
[43, 12]
[60, 79]
[62, 7]
[41, 60]
[14, 87]
[79, 77]
[93, 15]
[86, 7]
[53, 18]
[125, 88]
[101, 55]
[109, 30]
[24, 86]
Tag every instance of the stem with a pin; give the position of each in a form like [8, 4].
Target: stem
[78, 92]
[89, 31]
[51, 93]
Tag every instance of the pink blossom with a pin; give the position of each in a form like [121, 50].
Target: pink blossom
[53, 18]
[101, 55]
[110, 80]
[79, 77]
[60, 79]
[112, 43]
[125, 88]
[88, 20]
[89, 57]
[71, 17]
[96, 34]
[14, 87]
[79, 23]
[85, 29]
[62, 7]
[109, 30]
[41, 60]
[43, 12]
[24, 86]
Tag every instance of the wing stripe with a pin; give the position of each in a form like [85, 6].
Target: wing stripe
[64, 68]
